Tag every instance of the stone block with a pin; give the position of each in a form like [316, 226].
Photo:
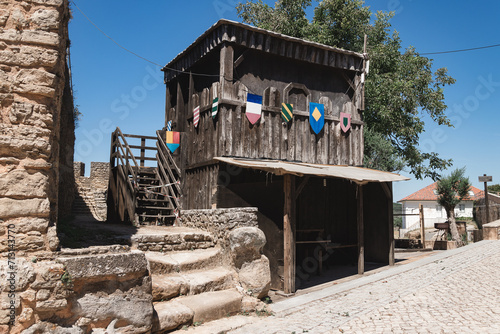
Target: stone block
[255, 277]
[46, 2]
[21, 183]
[29, 56]
[30, 37]
[133, 308]
[30, 242]
[42, 294]
[19, 19]
[170, 315]
[24, 207]
[93, 266]
[50, 328]
[246, 244]
[52, 238]
[35, 81]
[24, 142]
[27, 224]
[46, 19]
[51, 305]
[4, 15]
[22, 275]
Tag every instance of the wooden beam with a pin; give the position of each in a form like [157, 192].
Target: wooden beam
[361, 239]
[179, 108]
[301, 186]
[226, 71]
[388, 193]
[289, 233]
[168, 105]
[422, 224]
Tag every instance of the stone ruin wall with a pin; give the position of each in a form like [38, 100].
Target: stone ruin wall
[36, 114]
[43, 289]
[92, 191]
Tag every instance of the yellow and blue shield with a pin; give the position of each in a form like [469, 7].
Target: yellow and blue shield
[316, 116]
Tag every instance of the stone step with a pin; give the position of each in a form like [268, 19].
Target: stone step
[166, 287]
[200, 308]
[163, 239]
[183, 261]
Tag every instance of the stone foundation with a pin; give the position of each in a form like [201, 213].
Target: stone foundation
[84, 290]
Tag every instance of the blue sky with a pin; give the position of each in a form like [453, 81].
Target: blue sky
[115, 88]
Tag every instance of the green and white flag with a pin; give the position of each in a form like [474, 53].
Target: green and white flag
[215, 107]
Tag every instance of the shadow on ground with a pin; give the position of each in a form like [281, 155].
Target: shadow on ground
[82, 232]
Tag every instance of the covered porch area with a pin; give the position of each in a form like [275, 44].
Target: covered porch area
[323, 215]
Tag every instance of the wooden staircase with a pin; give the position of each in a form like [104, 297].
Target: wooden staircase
[143, 195]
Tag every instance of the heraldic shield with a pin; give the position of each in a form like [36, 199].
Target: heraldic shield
[316, 116]
[345, 121]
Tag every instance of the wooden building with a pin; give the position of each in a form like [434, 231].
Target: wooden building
[313, 196]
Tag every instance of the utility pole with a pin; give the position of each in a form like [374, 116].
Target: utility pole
[486, 179]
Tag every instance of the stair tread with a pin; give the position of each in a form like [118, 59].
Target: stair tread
[183, 261]
[152, 200]
[155, 207]
[155, 216]
[167, 286]
[204, 307]
[212, 305]
[181, 257]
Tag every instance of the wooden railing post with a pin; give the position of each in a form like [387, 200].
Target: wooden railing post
[143, 151]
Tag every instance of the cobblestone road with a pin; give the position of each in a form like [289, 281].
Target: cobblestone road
[457, 291]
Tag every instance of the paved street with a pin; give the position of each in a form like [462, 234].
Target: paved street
[456, 291]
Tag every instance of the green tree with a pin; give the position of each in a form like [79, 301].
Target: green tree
[400, 88]
[494, 188]
[452, 190]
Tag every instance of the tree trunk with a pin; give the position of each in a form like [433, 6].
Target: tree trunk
[453, 227]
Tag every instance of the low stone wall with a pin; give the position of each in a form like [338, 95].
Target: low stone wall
[93, 190]
[219, 222]
[491, 231]
[81, 290]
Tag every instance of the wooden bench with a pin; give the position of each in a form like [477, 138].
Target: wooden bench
[318, 240]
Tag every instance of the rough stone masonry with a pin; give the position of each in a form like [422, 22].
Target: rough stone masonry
[44, 289]
[36, 112]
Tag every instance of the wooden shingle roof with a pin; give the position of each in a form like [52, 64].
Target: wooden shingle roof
[226, 31]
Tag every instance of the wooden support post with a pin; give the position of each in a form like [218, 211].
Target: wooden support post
[289, 233]
[361, 237]
[168, 105]
[486, 201]
[422, 224]
[143, 151]
[226, 71]
[179, 109]
[388, 192]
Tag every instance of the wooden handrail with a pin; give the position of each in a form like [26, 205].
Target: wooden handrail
[165, 149]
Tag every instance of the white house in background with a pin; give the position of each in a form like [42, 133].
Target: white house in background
[433, 212]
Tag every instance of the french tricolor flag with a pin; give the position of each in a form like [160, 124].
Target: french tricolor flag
[254, 107]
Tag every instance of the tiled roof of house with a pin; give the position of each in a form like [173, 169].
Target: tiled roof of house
[428, 194]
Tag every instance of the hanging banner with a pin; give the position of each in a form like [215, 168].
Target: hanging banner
[173, 140]
[215, 107]
[254, 107]
[345, 121]
[316, 116]
[287, 111]
[196, 116]
[169, 125]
